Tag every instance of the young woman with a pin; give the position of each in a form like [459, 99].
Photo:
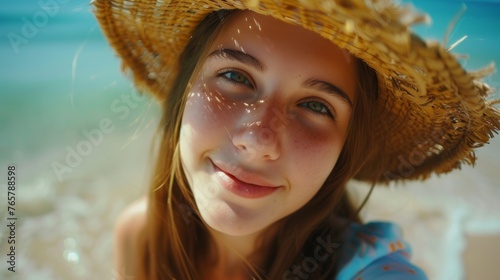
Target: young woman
[269, 109]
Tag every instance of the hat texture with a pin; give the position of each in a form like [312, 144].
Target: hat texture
[432, 112]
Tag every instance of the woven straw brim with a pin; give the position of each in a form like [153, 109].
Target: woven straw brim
[433, 113]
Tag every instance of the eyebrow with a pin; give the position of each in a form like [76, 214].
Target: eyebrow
[239, 56]
[328, 88]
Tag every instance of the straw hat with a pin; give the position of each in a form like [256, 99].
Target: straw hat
[434, 113]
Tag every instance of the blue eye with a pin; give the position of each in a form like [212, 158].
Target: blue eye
[237, 78]
[318, 108]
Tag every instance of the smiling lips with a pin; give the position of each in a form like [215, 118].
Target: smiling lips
[241, 188]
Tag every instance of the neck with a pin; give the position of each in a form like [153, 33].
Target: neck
[228, 256]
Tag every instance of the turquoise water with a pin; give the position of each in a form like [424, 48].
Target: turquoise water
[62, 77]
[480, 22]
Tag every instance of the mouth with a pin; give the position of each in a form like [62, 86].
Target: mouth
[244, 184]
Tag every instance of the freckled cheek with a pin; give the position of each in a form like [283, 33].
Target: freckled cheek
[316, 155]
[205, 114]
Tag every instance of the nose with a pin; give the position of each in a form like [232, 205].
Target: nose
[255, 137]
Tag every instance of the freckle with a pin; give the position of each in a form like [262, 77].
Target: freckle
[385, 268]
[412, 271]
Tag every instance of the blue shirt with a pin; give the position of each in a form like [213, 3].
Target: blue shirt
[376, 250]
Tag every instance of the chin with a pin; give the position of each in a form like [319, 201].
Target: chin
[233, 220]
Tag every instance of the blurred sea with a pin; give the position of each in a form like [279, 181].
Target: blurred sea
[53, 82]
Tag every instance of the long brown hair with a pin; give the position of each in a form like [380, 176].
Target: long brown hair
[175, 236]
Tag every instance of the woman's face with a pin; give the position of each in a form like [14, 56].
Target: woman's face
[265, 122]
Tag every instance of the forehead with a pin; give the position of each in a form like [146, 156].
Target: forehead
[270, 31]
[288, 46]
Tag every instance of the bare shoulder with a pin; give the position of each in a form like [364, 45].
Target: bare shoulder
[127, 235]
[132, 217]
